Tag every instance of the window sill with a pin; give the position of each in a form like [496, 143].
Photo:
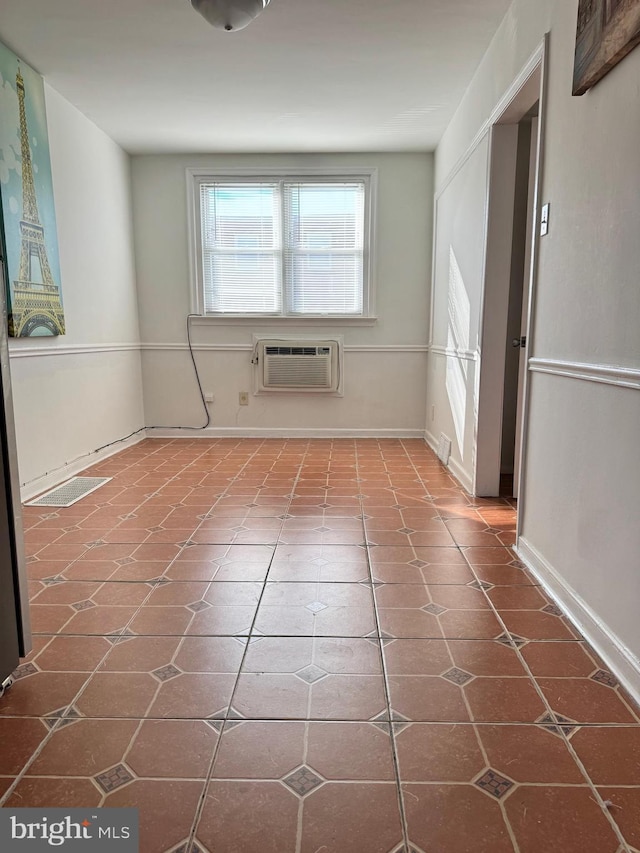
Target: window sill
[208, 320]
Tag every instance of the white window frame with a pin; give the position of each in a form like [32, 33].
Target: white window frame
[199, 175]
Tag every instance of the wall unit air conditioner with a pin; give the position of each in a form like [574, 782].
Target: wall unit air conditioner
[297, 365]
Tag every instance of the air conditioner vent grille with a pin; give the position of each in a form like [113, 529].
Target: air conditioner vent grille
[290, 371]
[294, 350]
[298, 365]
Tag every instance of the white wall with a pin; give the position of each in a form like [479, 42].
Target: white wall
[79, 391]
[455, 311]
[582, 466]
[385, 363]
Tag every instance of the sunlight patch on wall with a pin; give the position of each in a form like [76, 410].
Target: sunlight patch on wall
[458, 334]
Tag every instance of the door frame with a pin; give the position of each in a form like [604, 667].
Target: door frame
[528, 88]
[525, 293]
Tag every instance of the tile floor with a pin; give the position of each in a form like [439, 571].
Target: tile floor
[310, 647]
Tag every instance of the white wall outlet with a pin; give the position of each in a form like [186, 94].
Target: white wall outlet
[208, 397]
[243, 398]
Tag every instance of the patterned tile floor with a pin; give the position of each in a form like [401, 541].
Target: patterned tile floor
[310, 647]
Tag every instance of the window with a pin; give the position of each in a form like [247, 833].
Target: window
[285, 246]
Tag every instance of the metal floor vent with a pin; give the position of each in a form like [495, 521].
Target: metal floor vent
[444, 449]
[70, 492]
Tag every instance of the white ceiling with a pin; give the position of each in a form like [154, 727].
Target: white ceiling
[307, 75]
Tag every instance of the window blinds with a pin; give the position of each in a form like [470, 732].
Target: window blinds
[283, 247]
[241, 248]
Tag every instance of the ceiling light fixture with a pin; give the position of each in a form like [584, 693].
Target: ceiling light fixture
[229, 15]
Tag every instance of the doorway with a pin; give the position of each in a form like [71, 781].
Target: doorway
[509, 278]
[518, 311]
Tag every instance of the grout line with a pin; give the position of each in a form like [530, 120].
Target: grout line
[305, 753]
[385, 680]
[201, 804]
[355, 720]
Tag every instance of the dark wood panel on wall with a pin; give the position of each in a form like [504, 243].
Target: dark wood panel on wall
[607, 31]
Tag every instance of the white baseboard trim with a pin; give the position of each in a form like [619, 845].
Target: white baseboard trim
[431, 440]
[462, 476]
[454, 467]
[622, 662]
[70, 469]
[258, 432]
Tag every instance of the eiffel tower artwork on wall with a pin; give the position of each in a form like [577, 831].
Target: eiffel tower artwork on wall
[34, 302]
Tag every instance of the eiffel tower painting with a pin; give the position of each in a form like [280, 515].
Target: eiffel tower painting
[34, 299]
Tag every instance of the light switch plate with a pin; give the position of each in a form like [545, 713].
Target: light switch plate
[544, 220]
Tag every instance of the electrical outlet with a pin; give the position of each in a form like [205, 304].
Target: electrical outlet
[208, 397]
[243, 398]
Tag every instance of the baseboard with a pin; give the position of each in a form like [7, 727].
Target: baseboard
[431, 440]
[258, 432]
[454, 467]
[462, 476]
[70, 469]
[610, 648]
